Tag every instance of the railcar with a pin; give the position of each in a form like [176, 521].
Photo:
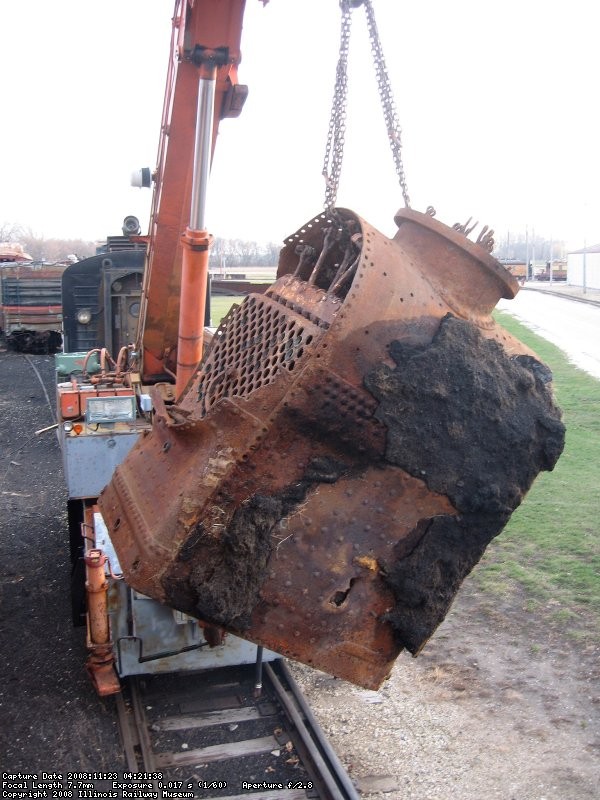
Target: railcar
[30, 306]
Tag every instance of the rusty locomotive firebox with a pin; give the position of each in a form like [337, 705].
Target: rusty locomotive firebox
[353, 441]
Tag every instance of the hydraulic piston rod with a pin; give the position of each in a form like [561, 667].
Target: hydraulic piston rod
[202, 147]
[196, 240]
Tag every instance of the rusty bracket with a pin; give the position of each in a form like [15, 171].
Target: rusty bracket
[173, 416]
[100, 666]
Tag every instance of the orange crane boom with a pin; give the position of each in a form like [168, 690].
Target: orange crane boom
[205, 46]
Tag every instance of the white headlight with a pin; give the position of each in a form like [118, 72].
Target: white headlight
[110, 409]
[84, 316]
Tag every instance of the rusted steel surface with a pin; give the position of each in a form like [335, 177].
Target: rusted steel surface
[354, 439]
[100, 662]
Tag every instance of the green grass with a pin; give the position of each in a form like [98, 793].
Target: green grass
[220, 305]
[550, 550]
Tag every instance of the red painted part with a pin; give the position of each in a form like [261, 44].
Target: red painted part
[100, 662]
[32, 309]
[193, 302]
[36, 318]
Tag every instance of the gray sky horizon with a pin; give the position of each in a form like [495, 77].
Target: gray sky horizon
[495, 101]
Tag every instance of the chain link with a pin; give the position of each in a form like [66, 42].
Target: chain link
[334, 150]
[387, 99]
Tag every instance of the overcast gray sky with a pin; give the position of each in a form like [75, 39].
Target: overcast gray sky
[497, 103]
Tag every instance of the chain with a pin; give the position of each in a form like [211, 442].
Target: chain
[387, 100]
[334, 151]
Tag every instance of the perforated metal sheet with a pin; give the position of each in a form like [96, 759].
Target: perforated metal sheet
[254, 342]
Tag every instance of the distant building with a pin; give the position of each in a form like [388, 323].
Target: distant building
[583, 267]
[515, 267]
[11, 253]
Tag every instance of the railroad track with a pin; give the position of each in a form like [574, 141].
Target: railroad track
[208, 735]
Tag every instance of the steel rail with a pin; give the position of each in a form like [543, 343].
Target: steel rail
[128, 732]
[142, 726]
[329, 770]
[331, 756]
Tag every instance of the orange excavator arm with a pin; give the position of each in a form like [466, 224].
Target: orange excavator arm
[205, 51]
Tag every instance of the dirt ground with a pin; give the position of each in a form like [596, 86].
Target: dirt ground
[499, 704]
[496, 706]
[50, 720]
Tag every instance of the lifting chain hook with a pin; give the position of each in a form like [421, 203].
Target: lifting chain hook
[334, 149]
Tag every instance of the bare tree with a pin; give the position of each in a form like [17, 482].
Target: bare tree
[10, 232]
[520, 246]
[232, 253]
